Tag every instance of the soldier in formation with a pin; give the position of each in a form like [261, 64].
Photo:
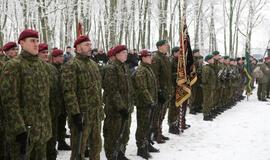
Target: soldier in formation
[28, 114]
[145, 85]
[82, 95]
[40, 91]
[118, 105]
[162, 69]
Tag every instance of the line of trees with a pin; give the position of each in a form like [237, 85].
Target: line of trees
[136, 23]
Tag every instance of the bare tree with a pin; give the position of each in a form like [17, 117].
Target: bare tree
[254, 18]
[212, 33]
[198, 9]
[3, 20]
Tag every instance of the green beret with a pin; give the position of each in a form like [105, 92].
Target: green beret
[195, 51]
[175, 49]
[226, 57]
[208, 57]
[232, 59]
[238, 59]
[243, 58]
[215, 53]
[161, 42]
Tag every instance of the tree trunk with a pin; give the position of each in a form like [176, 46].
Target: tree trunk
[198, 7]
[113, 23]
[225, 28]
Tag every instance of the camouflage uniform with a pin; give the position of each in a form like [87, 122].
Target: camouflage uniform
[56, 105]
[3, 145]
[162, 68]
[262, 83]
[146, 89]
[237, 80]
[222, 81]
[25, 82]
[173, 113]
[82, 94]
[118, 90]
[228, 84]
[208, 84]
[2, 59]
[196, 90]
[241, 78]
[217, 93]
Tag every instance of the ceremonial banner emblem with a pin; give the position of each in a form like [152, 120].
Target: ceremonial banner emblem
[186, 72]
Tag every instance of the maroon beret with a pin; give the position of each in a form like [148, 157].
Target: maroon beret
[267, 58]
[110, 52]
[119, 48]
[42, 47]
[81, 39]
[57, 52]
[27, 33]
[145, 53]
[9, 45]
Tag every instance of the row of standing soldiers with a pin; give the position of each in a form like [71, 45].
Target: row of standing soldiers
[33, 93]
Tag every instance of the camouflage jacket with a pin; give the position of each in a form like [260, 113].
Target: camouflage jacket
[174, 64]
[146, 85]
[118, 88]
[217, 68]
[82, 88]
[25, 81]
[56, 96]
[266, 73]
[208, 77]
[162, 68]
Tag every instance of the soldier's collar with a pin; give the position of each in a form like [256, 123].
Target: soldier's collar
[163, 54]
[82, 57]
[118, 62]
[145, 64]
[28, 56]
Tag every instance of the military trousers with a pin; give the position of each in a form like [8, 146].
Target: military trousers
[111, 132]
[173, 113]
[91, 134]
[51, 150]
[61, 127]
[268, 88]
[143, 126]
[160, 113]
[207, 100]
[196, 98]
[261, 92]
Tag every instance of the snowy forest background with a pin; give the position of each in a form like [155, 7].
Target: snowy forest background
[230, 26]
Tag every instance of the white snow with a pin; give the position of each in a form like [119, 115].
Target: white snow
[240, 133]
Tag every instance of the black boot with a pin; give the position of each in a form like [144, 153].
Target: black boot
[192, 112]
[151, 148]
[159, 139]
[174, 130]
[63, 146]
[86, 153]
[207, 118]
[121, 156]
[187, 126]
[164, 137]
[143, 152]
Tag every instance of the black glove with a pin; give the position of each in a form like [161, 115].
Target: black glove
[161, 97]
[22, 140]
[77, 119]
[124, 113]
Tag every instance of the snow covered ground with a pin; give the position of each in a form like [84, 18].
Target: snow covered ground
[241, 133]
